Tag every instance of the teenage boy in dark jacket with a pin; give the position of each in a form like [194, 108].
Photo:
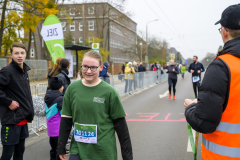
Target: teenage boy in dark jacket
[16, 107]
[53, 101]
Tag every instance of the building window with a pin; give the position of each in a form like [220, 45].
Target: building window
[73, 40]
[91, 25]
[32, 38]
[32, 53]
[91, 10]
[72, 11]
[90, 39]
[81, 26]
[81, 40]
[72, 26]
[62, 12]
[63, 26]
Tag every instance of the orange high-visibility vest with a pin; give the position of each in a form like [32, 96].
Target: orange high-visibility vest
[224, 143]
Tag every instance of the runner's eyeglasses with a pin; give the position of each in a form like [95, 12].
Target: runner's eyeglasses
[92, 68]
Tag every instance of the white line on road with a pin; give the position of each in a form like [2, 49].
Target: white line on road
[189, 148]
[164, 95]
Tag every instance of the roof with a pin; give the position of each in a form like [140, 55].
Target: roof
[77, 47]
[172, 50]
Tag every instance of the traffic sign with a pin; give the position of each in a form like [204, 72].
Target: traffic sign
[95, 47]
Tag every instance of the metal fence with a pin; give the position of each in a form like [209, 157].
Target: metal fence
[3, 62]
[38, 70]
[127, 83]
[123, 83]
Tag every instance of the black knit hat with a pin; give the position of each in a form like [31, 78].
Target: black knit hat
[55, 83]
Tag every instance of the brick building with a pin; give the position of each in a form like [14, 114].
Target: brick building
[87, 22]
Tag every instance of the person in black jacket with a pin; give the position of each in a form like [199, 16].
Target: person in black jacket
[196, 68]
[16, 107]
[172, 71]
[204, 114]
[52, 72]
[63, 75]
[141, 70]
[53, 102]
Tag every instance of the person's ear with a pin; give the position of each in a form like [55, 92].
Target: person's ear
[101, 68]
[225, 33]
[11, 55]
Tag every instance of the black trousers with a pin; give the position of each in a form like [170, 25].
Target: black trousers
[53, 152]
[74, 157]
[196, 86]
[172, 83]
[183, 75]
[16, 151]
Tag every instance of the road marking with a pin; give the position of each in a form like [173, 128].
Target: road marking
[189, 148]
[164, 95]
[150, 116]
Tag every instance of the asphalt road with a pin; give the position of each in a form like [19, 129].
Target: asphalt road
[157, 126]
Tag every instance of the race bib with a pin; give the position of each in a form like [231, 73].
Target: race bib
[85, 133]
[196, 78]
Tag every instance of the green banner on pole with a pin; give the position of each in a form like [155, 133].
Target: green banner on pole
[52, 34]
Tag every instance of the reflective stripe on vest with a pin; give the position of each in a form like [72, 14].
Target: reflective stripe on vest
[224, 143]
[228, 127]
[221, 150]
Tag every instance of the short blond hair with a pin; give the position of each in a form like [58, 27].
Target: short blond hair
[95, 55]
[234, 33]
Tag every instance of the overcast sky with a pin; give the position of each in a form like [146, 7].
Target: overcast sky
[192, 31]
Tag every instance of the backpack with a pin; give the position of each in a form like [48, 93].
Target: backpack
[154, 68]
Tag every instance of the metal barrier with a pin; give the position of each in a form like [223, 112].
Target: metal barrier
[3, 62]
[123, 83]
[127, 83]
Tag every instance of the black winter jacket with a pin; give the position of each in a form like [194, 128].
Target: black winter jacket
[14, 85]
[141, 68]
[63, 75]
[52, 97]
[199, 67]
[171, 74]
[205, 115]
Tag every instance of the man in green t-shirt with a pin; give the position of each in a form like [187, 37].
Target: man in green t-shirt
[95, 110]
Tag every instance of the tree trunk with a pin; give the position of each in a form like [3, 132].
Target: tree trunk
[29, 44]
[35, 47]
[2, 24]
[5, 52]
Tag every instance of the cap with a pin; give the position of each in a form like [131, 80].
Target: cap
[56, 83]
[231, 17]
[130, 63]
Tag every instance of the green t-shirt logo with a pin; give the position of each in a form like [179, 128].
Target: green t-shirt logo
[98, 100]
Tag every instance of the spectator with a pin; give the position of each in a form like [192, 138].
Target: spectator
[135, 75]
[52, 72]
[129, 72]
[63, 75]
[53, 104]
[141, 70]
[104, 73]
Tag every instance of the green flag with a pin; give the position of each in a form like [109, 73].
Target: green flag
[52, 34]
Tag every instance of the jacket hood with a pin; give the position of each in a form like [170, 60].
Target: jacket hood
[106, 64]
[231, 47]
[50, 96]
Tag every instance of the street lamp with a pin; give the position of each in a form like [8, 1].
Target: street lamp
[141, 50]
[147, 34]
